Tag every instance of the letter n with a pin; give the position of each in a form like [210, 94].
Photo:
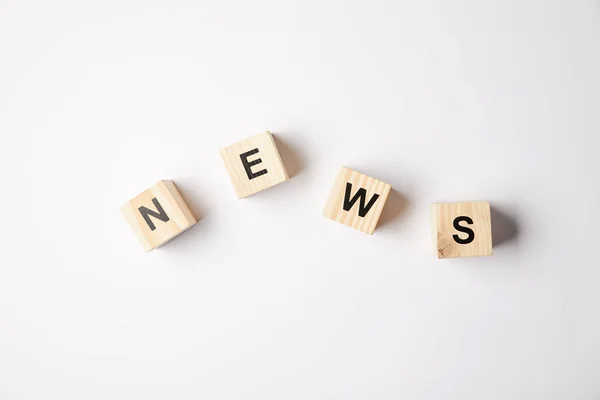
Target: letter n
[159, 214]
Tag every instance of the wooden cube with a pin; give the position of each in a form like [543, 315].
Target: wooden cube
[356, 200]
[158, 214]
[461, 229]
[254, 164]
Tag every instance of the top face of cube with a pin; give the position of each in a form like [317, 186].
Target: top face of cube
[356, 200]
[462, 229]
[254, 164]
[158, 214]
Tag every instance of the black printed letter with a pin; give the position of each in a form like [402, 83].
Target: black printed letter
[463, 229]
[362, 194]
[247, 164]
[146, 213]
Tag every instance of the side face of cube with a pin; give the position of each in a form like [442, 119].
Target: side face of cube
[254, 164]
[461, 229]
[158, 214]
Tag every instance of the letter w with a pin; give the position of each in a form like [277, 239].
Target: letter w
[362, 194]
[146, 213]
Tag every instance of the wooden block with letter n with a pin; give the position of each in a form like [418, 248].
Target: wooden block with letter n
[356, 200]
[254, 164]
[462, 229]
[158, 214]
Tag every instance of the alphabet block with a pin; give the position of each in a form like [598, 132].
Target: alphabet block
[356, 200]
[254, 164]
[461, 229]
[158, 214]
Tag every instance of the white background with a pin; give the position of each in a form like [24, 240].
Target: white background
[264, 298]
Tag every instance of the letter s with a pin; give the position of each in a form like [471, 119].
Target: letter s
[463, 229]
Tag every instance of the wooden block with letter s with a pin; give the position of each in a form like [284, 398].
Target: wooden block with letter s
[254, 164]
[461, 229]
[356, 200]
[158, 214]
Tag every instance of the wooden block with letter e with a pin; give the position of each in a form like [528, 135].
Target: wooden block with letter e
[461, 229]
[254, 164]
[158, 214]
[356, 200]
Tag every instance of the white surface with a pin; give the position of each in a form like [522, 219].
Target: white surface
[264, 298]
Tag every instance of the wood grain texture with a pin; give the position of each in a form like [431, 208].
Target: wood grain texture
[179, 215]
[334, 209]
[270, 161]
[443, 230]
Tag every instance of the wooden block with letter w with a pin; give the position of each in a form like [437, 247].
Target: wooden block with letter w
[357, 200]
[158, 214]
